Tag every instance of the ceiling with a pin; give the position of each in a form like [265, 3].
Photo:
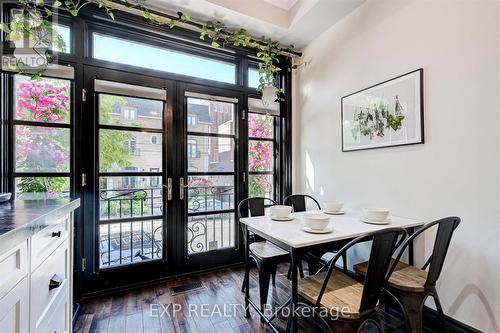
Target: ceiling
[294, 22]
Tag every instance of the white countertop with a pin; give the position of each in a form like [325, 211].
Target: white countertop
[345, 226]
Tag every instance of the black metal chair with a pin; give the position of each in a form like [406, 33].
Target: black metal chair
[349, 304]
[266, 255]
[316, 261]
[409, 285]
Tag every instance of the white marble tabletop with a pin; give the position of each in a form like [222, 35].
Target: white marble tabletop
[345, 226]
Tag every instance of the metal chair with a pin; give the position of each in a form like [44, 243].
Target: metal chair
[266, 255]
[316, 261]
[349, 304]
[409, 285]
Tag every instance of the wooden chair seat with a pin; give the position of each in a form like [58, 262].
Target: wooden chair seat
[405, 277]
[266, 250]
[342, 296]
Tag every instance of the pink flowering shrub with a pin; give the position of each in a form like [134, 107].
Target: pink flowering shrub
[260, 153]
[42, 149]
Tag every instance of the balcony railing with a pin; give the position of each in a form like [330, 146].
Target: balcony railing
[135, 240]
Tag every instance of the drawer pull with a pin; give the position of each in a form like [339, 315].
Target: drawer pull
[55, 282]
[56, 234]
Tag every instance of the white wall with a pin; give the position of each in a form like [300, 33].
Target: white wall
[456, 172]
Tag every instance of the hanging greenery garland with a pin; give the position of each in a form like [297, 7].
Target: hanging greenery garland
[32, 22]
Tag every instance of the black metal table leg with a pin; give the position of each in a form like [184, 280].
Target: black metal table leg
[295, 297]
[246, 235]
[411, 253]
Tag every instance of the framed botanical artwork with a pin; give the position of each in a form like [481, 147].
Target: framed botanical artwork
[387, 114]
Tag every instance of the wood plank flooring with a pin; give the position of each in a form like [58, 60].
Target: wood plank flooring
[217, 308]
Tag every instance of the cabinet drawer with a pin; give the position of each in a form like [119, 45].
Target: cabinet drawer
[57, 319]
[45, 292]
[13, 267]
[14, 309]
[46, 241]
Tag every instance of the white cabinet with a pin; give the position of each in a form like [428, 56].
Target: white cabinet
[14, 309]
[36, 282]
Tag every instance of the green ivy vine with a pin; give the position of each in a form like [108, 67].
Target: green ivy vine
[33, 22]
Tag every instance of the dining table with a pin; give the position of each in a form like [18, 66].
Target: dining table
[290, 236]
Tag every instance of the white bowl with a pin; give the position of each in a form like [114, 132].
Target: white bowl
[333, 206]
[316, 221]
[280, 211]
[377, 214]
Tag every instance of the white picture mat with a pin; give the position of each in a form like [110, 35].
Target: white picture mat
[408, 90]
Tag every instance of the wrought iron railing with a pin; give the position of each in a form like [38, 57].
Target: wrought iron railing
[134, 241]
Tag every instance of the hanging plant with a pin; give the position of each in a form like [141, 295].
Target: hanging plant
[33, 23]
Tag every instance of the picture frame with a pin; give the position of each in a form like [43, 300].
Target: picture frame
[387, 114]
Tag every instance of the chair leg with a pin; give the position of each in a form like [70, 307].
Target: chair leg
[245, 277]
[344, 261]
[273, 275]
[301, 270]
[412, 304]
[439, 308]
[264, 279]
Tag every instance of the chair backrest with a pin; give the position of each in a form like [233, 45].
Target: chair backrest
[298, 202]
[384, 244]
[445, 230]
[254, 206]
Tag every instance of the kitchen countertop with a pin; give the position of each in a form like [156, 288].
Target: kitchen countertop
[21, 219]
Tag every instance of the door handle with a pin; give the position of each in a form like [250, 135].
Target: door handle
[182, 188]
[55, 282]
[169, 188]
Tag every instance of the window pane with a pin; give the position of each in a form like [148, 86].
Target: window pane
[122, 197]
[33, 188]
[210, 116]
[142, 55]
[129, 151]
[210, 154]
[129, 242]
[260, 186]
[210, 232]
[260, 126]
[130, 111]
[62, 39]
[210, 193]
[42, 149]
[46, 100]
[253, 78]
[260, 155]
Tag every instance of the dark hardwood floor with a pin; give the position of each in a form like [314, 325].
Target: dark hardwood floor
[217, 308]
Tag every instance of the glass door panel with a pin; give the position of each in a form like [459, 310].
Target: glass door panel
[211, 175]
[130, 204]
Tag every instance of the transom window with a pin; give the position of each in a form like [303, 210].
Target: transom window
[142, 55]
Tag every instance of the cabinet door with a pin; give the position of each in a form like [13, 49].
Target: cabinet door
[14, 309]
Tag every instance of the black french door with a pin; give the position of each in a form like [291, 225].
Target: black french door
[212, 175]
[163, 177]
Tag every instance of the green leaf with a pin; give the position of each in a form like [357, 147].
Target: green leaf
[39, 2]
[172, 23]
[111, 15]
[57, 4]
[215, 44]
[158, 20]
[48, 11]
[74, 12]
[146, 14]
[4, 27]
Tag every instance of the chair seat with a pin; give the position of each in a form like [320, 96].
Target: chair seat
[342, 296]
[266, 250]
[405, 277]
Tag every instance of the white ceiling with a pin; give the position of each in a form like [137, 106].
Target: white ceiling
[294, 22]
[284, 4]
